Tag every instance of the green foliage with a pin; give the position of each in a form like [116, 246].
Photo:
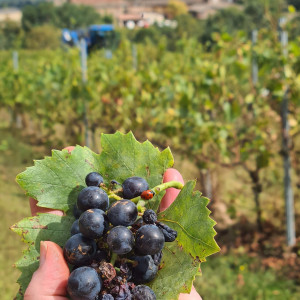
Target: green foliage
[36, 15]
[195, 231]
[43, 37]
[176, 8]
[11, 35]
[239, 277]
[64, 16]
[76, 16]
[56, 181]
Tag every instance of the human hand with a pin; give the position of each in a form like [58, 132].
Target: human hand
[49, 281]
[168, 199]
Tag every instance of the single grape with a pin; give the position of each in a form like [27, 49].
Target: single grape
[100, 255]
[93, 223]
[122, 212]
[121, 290]
[93, 179]
[134, 186]
[126, 271]
[157, 258]
[145, 269]
[107, 297]
[149, 216]
[143, 292]
[84, 284]
[149, 239]
[120, 240]
[92, 197]
[75, 228]
[169, 233]
[76, 211]
[79, 250]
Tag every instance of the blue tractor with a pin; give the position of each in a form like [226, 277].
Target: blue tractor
[96, 37]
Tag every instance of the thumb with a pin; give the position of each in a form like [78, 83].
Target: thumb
[49, 281]
[171, 194]
[192, 296]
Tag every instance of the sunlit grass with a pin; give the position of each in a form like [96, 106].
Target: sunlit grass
[238, 277]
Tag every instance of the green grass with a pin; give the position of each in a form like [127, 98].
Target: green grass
[234, 277]
[238, 277]
[14, 157]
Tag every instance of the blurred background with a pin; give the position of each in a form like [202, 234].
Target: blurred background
[217, 81]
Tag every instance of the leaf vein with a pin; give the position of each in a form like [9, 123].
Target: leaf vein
[187, 233]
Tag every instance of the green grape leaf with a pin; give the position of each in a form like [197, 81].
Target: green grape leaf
[33, 230]
[177, 273]
[190, 217]
[56, 181]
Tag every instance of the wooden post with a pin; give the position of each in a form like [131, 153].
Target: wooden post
[134, 57]
[254, 60]
[15, 56]
[288, 190]
[83, 60]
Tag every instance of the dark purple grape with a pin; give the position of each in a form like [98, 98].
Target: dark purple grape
[157, 258]
[149, 216]
[145, 269]
[107, 297]
[143, 292]
[79, 250]
[149, 240]
[84, 284]
[122, 290]
[122, 212]
[75, 228]
[126, 271]
[92, 197]
[134, 186]
[120, 240]
[93, 179]
[93, 223]
[169, 233]
[100, 255]
[76, 211]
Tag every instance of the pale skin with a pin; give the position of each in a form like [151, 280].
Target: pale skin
[49, 281]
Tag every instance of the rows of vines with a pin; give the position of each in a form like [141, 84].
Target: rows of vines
[202, 102]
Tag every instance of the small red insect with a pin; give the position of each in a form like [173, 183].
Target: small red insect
[147, 195]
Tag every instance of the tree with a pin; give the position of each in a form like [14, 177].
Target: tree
[176, 8]
[11, 35]
[43, 37]
[76, 16]
[35, 15]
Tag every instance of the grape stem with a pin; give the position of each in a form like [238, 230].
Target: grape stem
[156, 190]
[162, 187]
[113, 259]
[113, 195]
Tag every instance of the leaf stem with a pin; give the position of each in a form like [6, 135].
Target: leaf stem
[162, 187]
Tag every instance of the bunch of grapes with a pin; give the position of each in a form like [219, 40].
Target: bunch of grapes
[115, 249]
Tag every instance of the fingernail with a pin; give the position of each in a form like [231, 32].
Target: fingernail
[43, 252]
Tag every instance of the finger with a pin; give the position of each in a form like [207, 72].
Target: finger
[192, 296]
[36, 209]
[69, 148]
[33, 203]
[171, 193]
[49, 281]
